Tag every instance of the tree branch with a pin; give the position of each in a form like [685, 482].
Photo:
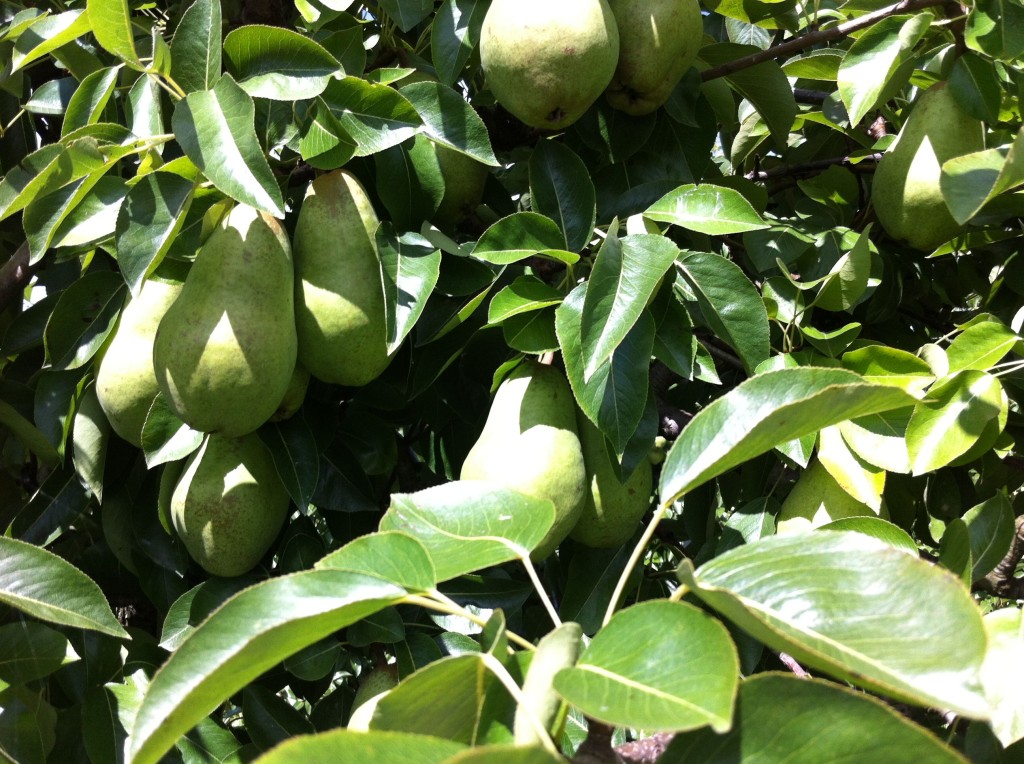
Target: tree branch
[14, 276]
[1001, 581]
[815, 38]
[855, 164]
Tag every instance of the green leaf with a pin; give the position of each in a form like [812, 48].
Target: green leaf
[374, 116]
[47, 33]
[456, 698]
[975, 85]
[94, 218]
[517, 237]
[89, 436]
[980, 346]
[626, 274]
[450, 120]
[27, 726]
[951, 419]
[506, 754]
[996, 28]
[877, 528]
[44, 215]
[111, 22]
[410, 182]
[390, 555]
[165, 438]
[277, 63]
[525, 294]
[705, 208]
[52, 98]
[1003, 672]
[145, 108]
[808, 721]
[270, 719]
[44, 586]
[407, 13]
[56, 506]
[32, 651]
[196, 47]
[880, 439]
[691, 684]
[971, 181]
[150, 218]
[293, 448]
[890, 366]
[326, 145]
[729, 303]
[874, 57]
[249, 634]
[990, 531]
[411, 266]
[561, 189]
[559, 649]
[846, 282]
[84, 316]
[27, 433]
[45, 171]
[342, 746]
[848, 604]
[215, 129]
[454, 33]
[90, 99]
[469, 525]
[615, 396]
[766, 410]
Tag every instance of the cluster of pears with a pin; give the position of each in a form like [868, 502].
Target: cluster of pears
[905, 191]
[547, 62]
[234, 346]
[536, 441]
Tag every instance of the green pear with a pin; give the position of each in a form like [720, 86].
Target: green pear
[125, 380]
[817, 499]
[905, 190]
[294, 396]
[339, 291]
[613, 508]
[547, 61]
[372, 689]
[225, 350]
[464, 180]
[229, 504]
[529, 443]
[658, 42]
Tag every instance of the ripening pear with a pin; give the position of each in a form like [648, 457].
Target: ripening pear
[339, 291]
[529, 444]
[905, 190]
[817, 499]
[547, 61]
[229, 504]
[464, 180]
[658, 42]
[613, 508]
[225, 350]
[125, 380]
[294, 396]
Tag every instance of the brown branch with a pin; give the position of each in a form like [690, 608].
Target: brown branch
[14, 276]
[864, 163]
[815, 38]
[1001, 581]
[792, 665]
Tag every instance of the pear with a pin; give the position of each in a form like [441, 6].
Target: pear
[229, 504]
[529, 443]
[339, 291]
[372, 690]
[464, 180]
[612, 508]
[905, 190]
[225, 350]
[547, 61]
[294, 396]
[817, 499]
[658, 42]
[125, 380]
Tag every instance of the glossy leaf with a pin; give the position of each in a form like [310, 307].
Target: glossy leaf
[990, 531]
[326, 144]
[980, 346]
[450, 121]
[389, 555]
[626, 274]
[44, 586]
[453, 36]
[45, 171]
[1003, 672]
[848, 279]
[89, 436]
[951, 419]
[469, 525]
[764, 411]
[561, 189]
[517, 237]
[863, 481]
[729, 304]
[87, 104]
[374, 116]
[807, 721]
[525, 294]
[32, 651]
[411, 266]
[196, 50]
[277, 63]
[46, 34]
[251, 632]
[692, 684]
[880, 529]
[714, 210]
[293, 447]
[846, 604]
[215, 130]
[84, 316]
[343, 746]
[880, 439]
[890, 366]
[111, 22]
[165, 438]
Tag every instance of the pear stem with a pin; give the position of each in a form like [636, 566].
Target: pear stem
[814, 38]
[442, 604]
[634, 559]
[548, 605]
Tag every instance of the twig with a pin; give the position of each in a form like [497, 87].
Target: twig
[14, 276]
[1001, 581]
[793, 666]
[815, 38]
[865, 163]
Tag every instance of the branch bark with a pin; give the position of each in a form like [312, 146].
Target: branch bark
[14, 276]
[1001, 581]
[816, 38]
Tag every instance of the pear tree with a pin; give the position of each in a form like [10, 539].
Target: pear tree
[494, 381]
